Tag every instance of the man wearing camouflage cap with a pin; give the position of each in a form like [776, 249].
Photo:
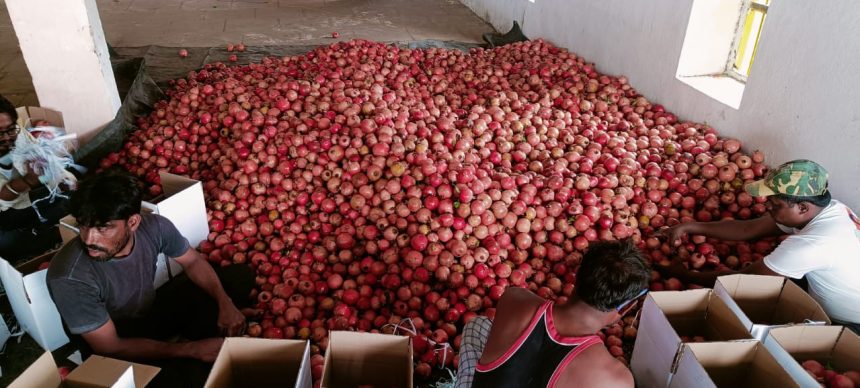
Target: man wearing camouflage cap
[823, 242]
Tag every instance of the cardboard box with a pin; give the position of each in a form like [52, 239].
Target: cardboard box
[95, 372]
[837, 346]
[257, 362]
[355, 359]
[736, 364]
[668, 315]
[182, 203]
[764, 302]
[27, 115]
[4, 331]
[28, 294]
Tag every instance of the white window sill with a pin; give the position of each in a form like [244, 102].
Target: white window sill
[724, 89]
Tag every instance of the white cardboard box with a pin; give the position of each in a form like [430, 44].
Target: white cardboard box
[32, 304]
[182, 203]
[258, 362]
[738, 364]
[354, 359]
[837, 346]
[95, 372]
[4, 331]
[668, 315]
[765, 302]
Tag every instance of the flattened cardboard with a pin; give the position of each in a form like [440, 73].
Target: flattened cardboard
[257, 362]
[834, 345]
[736, 364]
[32, 304]
[29, 114]
[668, 315]
[764, 302]
[356, 358]
[95, 372]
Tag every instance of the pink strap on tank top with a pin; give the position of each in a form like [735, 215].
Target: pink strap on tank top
[519, 342]
[591, 340]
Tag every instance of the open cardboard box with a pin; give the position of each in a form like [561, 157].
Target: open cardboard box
[182, 203]
[738, 364]
[668, 315]
[27, 115]
[95, 372]
[837, 346]
[28, 294]
[258, 362]
[380, 360]
[4, 331]
[764, 302]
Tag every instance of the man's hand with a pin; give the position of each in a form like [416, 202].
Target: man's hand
[231, 321]
[31, 178]
[673, 234]
[675, 269]
[206, 350]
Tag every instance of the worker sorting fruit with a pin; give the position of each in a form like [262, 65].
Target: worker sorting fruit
[822, 244]
[103, 286]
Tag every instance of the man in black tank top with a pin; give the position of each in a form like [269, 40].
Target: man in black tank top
[535, 343]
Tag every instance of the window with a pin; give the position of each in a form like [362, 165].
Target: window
[720, 46]
[746, 39]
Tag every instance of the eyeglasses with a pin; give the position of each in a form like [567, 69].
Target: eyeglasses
[624, 305]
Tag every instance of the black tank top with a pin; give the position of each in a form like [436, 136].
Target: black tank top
[536, 359]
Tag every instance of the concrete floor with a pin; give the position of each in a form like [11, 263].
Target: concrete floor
[205, 23]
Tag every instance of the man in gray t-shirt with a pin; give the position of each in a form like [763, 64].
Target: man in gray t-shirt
[102, 282]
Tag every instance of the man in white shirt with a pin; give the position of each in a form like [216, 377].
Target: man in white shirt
[823, 242]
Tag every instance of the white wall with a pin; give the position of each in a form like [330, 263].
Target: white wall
[802, 99]
[64, 47]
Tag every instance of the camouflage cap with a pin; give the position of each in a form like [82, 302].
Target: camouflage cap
[799, 178]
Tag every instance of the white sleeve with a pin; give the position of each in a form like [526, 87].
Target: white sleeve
[795, 257]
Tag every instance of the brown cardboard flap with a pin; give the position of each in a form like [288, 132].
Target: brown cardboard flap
[28, 114]
[836, 345]
[807, 342]
[700, 312]
[33, 264]
[770, 300]
[722, 324]
[42, 373]
[172, 183]
[737, 364]
[257, 362]
[796, 306]
[756, 295]
[681, 303]
[846, 353]
[366, 358]
[98, 371]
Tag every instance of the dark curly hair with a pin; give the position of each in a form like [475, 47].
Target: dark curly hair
[7, 107]
[106, 197]
[611, 273]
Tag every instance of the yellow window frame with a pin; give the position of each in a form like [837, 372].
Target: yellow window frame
[746, 42]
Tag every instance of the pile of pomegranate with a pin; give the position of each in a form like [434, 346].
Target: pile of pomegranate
[830, 378]
[379, 188]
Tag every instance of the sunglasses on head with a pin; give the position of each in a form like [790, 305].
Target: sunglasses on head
[624, 305]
